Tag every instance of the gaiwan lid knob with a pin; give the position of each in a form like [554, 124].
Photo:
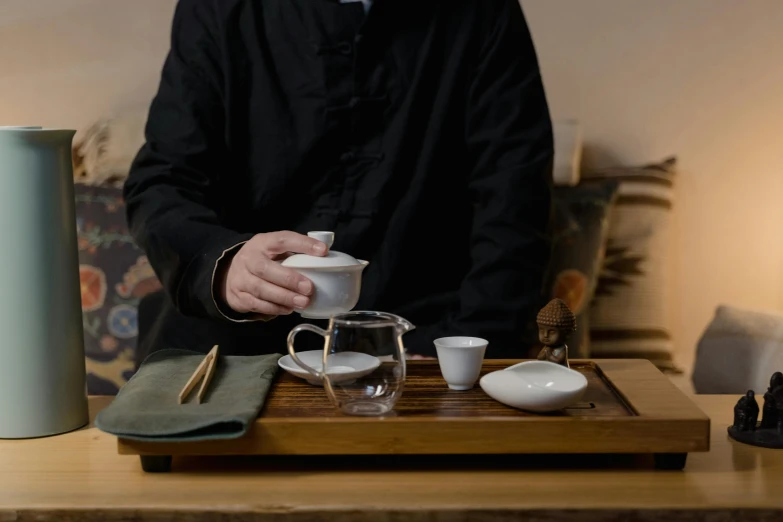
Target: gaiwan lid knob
[323, 237]
[331, 260]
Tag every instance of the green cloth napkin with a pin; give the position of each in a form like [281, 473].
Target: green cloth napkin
[147, 407]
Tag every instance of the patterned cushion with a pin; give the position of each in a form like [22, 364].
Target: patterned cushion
[115, 275]
[630, 314]
[580, 229]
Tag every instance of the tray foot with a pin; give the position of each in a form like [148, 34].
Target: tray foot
[670, 461]
[155, 463]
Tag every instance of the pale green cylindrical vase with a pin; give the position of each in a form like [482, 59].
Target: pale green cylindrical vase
[42, 368]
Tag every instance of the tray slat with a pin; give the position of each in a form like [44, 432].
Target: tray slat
[426, 395]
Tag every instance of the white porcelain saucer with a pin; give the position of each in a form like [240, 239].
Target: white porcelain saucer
[537, 386]
[349, 365]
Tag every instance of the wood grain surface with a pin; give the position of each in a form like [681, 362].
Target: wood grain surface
[80, 477]
[636, 410]
[427, 395]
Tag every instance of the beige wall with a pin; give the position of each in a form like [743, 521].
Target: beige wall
[698, 78]
[66, 62]
[702, 79]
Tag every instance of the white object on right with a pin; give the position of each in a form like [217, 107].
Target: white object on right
[738, 351]
[568, 152]
[460, 360]
[537, 386]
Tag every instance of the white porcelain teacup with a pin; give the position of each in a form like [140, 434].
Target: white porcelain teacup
[460, 360]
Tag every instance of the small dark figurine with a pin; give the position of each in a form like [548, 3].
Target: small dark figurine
[768, 433]
[746, 412]
[555, 323]
[777, 395]
[769, 419]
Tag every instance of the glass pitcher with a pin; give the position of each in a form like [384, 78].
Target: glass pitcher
[363, 366]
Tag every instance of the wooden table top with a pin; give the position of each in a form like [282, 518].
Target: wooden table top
[80, 476]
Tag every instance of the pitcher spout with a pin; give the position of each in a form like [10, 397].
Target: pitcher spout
[403, 325]
[359, 318]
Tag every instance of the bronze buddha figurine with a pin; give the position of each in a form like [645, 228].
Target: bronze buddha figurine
[555, 323]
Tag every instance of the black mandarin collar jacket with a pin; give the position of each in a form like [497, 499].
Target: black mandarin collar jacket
[419, 134]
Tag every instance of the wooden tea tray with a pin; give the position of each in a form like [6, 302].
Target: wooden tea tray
[629, 407]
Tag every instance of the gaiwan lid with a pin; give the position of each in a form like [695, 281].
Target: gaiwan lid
[331, 260]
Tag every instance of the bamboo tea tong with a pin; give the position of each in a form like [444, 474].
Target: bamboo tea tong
[206, 370]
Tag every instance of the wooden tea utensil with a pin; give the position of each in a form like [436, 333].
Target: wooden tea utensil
[206, 370]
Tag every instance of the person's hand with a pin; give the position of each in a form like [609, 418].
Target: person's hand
[256, 283]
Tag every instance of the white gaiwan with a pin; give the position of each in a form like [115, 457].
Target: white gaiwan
[536, 386]
[337, 278]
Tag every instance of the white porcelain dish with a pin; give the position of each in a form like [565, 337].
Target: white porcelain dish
[536, 386]
[350, 365]
[337, 278]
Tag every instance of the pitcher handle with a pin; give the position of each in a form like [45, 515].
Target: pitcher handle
[292, 350]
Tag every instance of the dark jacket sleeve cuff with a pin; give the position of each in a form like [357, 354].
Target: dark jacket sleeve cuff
[197, 294]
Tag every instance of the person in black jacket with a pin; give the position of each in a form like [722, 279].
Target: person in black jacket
[419, 132]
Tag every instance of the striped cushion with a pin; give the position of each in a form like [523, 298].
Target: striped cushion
[629, 316]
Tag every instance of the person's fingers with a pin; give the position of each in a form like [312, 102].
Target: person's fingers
[251, 304]
[267, 291]
[282, 257]
[275, 273]
[276, 243]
